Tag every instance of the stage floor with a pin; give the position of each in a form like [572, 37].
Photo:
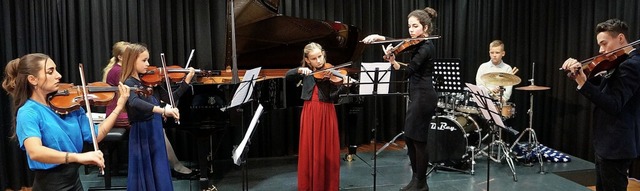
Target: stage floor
[393, 172]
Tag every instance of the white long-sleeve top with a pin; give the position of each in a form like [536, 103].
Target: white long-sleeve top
[489, 67]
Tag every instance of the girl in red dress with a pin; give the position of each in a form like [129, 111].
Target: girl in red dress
[319, 149]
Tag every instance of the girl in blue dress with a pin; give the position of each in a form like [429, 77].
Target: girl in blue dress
[148, 164]
[53, 142]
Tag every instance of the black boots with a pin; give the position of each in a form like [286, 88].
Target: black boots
[411, 183]
[416, 184]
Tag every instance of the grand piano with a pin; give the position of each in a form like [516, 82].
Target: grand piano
[271, 41]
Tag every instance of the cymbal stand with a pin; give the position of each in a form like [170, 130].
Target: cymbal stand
[533, 140]
[495, 132]
[496, 139]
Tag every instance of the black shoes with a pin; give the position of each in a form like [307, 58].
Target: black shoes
[194, 175]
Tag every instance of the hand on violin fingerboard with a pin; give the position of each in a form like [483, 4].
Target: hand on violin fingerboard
[575, 71]
[372, 38]
[123, 95]
[304, 70]
[190, 75]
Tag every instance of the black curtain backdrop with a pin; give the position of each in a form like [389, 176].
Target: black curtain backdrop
[544, 32]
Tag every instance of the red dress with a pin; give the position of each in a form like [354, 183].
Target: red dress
[319, 149]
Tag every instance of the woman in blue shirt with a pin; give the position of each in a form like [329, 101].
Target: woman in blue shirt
[53, 142]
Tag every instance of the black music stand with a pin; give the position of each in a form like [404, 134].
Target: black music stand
[239, 154]
[375, 81]
[447, 75]
[240, 97]
[447, 78]
[495, 123]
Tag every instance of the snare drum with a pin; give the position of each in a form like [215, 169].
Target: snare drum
[450, 136]
[508, 110]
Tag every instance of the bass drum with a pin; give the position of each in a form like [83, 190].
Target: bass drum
[451, 136]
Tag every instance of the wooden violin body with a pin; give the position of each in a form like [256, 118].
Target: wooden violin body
[330, 73]
[69, 97]
[603, 62]
[176, 73]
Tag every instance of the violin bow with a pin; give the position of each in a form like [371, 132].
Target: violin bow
[189, 60]
[168, 83]
[89, 115]
[334, 67]
[403, 39]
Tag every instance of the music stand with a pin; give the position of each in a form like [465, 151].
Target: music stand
[243, 93]
[239, 154]
[494, 122]
[380, 75]
[447, 77]
[240, 97]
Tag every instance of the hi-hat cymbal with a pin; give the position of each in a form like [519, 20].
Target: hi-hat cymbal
[500, 79]
[533, 88]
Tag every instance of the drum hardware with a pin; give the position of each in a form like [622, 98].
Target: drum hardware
[458, 136]
[495, 132]
[533, 140]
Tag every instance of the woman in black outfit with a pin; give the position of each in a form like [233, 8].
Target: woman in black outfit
[422, 95]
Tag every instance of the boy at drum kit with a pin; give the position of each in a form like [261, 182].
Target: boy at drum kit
[498, 78]
[494, 75]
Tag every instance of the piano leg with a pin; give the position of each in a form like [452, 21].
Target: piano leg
[203, 155]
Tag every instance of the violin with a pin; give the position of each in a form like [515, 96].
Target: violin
[331, 74]
[176, 73]
[405, 44]
[69, 97]
[605, 61]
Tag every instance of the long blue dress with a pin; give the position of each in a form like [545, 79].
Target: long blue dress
[149, 168]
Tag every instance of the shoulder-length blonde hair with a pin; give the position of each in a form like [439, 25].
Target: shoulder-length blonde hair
[307, 49]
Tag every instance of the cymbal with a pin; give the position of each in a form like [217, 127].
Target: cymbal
[533, 88]
[500, 79]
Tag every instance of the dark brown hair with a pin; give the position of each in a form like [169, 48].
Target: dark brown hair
[612, 26]
[16, 83]
[425, 16]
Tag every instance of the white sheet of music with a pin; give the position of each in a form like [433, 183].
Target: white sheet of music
[481, 96]
[383, 86]
[245, 89]
[237, 153]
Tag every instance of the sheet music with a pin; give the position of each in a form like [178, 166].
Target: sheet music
[481, 96]
[367, 87]
[237, 153]
[245, 89]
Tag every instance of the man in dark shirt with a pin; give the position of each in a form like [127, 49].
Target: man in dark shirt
[616, 95]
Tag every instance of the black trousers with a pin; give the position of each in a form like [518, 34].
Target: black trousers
[611, 174]
[62, 177]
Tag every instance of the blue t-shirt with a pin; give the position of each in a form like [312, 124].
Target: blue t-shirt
[64, 133]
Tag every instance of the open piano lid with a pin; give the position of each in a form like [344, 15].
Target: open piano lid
[272, 41]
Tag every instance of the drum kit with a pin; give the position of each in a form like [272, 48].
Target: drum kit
[469, 130]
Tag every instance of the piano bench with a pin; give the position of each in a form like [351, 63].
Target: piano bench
[108, 145]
